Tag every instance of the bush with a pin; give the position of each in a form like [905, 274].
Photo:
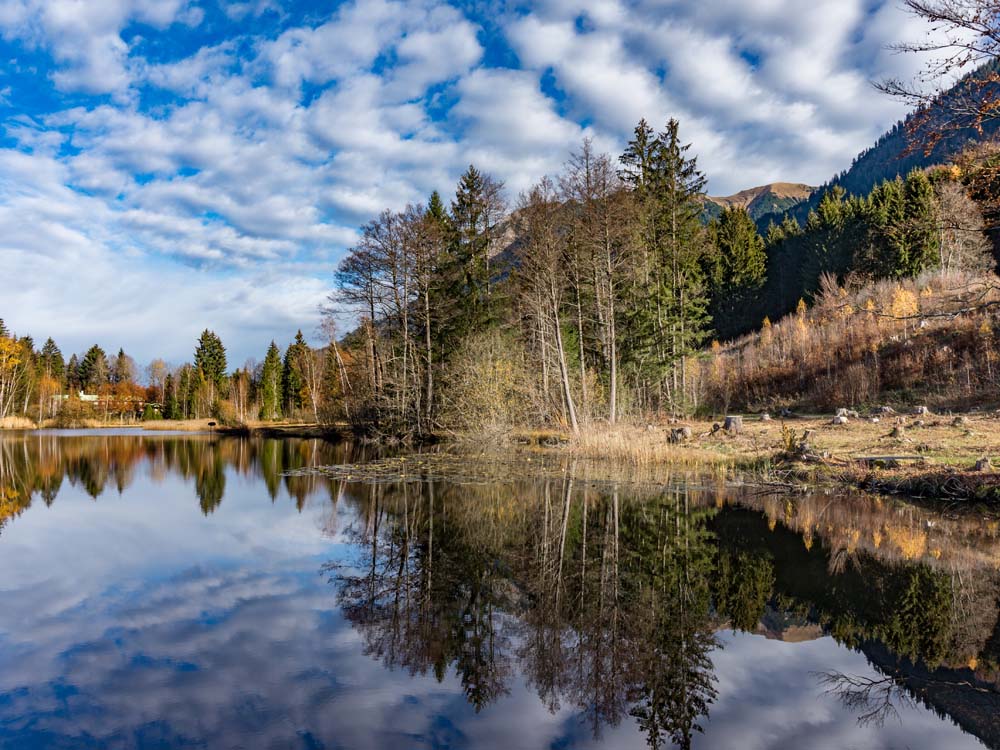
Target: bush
[151, 413]
[486, 389]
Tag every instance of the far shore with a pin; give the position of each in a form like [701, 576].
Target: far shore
[925, 455]
[276, 429]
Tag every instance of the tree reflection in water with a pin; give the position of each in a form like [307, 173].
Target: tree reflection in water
[606, 598]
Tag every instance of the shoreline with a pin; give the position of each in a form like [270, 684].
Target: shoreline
[940, 453]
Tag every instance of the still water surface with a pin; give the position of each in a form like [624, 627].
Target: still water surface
[161, 591]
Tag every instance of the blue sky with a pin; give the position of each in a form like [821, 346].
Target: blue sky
[171, 165]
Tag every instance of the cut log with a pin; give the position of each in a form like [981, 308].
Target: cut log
[733, 425]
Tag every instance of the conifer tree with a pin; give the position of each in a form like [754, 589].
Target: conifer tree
[170, 408]
[921, 228]
[270, 384]
[292, 380]
[736, 270]
[210, 358]
[669, 316]
[93, 369]
[73, 374]
[740, 260]
[51, 360]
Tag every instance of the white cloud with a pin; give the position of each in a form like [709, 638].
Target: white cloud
[268, 147]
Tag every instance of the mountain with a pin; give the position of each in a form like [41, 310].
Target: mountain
[896, 153]
[777, 197]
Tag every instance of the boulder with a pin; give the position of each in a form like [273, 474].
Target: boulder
[765, 417]
[983, 464]
[921, 411]
[839, 419]
[959, 422]
[733, 425]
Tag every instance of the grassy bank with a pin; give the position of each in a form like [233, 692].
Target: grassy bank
[927, 455]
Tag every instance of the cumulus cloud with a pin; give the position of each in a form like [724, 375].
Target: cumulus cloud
[218, 147]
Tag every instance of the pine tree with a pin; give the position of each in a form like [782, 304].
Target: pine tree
[292, 379]
[93, 369]
[921, 228]
[122, 368]
[210, 358]
[170, 407]
[669, 318]
[740, 260]
[4, 332]
[475, 213]
[73, 374]
[736, 270]
[51, 360]
[270, 384]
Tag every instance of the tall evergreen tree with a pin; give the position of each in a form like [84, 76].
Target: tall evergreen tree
[736, 269]
[292, 377]
[740, 260]
[170, 406]
[210, 358]
[475, 214]
[122, 368]
[669, 314]
[51, 360]
[270, 384]
[93, 369]
[73, 374]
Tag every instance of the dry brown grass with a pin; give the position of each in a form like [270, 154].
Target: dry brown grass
[941, 443]
[181, 425]
[17, 423]
[933, 340]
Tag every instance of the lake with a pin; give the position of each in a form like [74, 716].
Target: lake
[197, 591]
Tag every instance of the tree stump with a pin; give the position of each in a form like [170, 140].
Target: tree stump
[733, 425]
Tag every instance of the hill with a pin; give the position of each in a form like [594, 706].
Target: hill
[896, 153]
[777, 197]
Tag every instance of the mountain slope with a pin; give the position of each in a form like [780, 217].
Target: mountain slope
[893, 155]
[764, 199]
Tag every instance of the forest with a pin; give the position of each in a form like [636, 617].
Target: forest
[600, 294]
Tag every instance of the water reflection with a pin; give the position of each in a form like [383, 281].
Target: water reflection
[618, 603]
[633, 616]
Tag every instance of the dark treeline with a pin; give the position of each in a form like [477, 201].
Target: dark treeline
[40, 383]
[594, 296]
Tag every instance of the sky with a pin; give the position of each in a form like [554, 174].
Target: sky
[173, 165]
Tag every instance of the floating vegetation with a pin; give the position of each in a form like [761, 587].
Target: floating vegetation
[508, 467]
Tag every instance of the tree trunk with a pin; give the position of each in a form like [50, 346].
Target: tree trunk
[563, 369]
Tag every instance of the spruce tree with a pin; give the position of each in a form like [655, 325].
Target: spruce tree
[170, 409]
[292, 377]
[669, 315]
[93, 369]
[51, 360]
[923, 240]
[73, 374]
[4, 332]
[740, 260]
[471, 225]
[270, 384]
[210, 358]
[736, 269]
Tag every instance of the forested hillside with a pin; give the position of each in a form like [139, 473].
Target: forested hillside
[899, 151]
[762, 201]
